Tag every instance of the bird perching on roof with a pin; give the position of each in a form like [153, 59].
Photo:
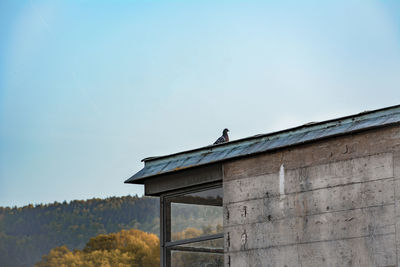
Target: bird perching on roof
[224, 138]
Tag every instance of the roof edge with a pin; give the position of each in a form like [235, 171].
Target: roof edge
[140, 180]
[306, 125]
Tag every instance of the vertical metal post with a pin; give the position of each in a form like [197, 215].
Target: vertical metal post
[162, 242]
[167, 231]
[164, 231]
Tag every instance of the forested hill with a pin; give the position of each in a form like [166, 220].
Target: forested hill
[29, 232]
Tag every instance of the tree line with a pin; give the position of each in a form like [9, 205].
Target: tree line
[27, 233]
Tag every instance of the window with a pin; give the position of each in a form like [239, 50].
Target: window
[192, 232]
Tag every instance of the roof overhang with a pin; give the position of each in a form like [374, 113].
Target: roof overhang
[192, 177]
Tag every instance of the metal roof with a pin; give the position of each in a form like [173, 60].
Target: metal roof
[266, 142]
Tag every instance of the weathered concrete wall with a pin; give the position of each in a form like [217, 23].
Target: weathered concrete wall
[330, 203]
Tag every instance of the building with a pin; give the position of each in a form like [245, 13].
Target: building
[322, 194]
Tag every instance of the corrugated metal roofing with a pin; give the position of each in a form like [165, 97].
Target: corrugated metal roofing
[266, 142]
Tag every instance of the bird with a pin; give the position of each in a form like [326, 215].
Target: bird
[224, 138]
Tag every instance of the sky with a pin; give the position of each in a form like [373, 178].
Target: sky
[89, 88]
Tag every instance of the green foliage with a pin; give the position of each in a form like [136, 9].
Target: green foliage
[131, 248]
[29, 232]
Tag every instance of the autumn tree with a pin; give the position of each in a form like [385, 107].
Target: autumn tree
[127, 248]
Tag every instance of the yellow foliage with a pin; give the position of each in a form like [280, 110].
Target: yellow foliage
[190, 232]
[128, 248]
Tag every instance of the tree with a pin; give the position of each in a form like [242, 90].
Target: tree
[127, 248]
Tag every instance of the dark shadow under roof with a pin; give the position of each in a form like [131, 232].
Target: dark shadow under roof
[155, 166]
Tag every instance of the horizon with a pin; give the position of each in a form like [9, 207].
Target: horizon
[70, 201]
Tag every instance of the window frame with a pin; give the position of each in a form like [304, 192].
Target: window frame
[165, 231]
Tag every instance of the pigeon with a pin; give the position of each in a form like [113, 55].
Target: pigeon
[224, 138]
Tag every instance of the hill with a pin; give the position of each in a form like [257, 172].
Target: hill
[27, 233]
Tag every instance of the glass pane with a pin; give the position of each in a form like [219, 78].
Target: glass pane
[196, 259]
[213, 246]
[196, 214]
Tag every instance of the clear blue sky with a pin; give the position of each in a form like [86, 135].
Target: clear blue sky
[89, 88]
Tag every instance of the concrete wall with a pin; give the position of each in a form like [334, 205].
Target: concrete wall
[329, 203]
